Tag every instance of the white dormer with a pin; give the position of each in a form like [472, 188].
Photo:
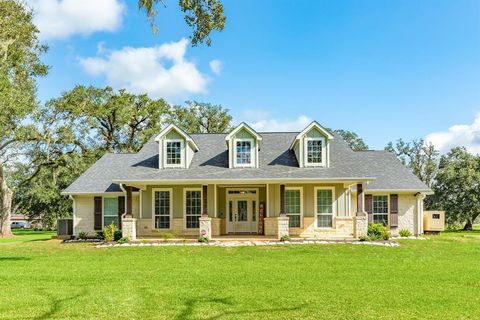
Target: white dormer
[175, 148]
[243, 146]
[312, 147]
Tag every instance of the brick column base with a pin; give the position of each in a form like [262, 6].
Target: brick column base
[129, 229]
[361, 226]
[282, 225]
[205, 227]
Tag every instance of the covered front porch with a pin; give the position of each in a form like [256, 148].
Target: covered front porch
[226, 211]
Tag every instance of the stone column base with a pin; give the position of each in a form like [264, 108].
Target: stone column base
[282, 227]
[205, 227]
[129, 229]
[361, 226]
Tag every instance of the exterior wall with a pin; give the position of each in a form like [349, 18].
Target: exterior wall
[83, 220]
[407, 211]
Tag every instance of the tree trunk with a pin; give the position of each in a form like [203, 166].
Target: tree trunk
[5, 205]
[468, 226]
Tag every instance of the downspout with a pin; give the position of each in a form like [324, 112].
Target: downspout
[73, 214]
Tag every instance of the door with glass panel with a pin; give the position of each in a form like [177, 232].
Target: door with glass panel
[242, 216]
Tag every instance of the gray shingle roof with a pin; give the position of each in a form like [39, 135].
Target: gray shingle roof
[276, 161]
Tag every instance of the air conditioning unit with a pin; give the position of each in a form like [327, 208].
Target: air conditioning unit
[64, 228]
[433, 221]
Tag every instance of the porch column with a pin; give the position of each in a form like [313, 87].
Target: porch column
[205, 221]
[282, 201]
[129, 211]
[361, 223]
[360, 201]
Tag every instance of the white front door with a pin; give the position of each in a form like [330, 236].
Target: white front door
[241, 215]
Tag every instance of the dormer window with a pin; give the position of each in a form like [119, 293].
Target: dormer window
[173, 153]
[243, 153]
[314, 151]
[311, 146]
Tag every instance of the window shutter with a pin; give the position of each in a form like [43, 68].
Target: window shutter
[97, 213]
[121, 210]
[393, 210]
[369, 207]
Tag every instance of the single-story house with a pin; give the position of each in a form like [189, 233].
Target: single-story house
[308, 184]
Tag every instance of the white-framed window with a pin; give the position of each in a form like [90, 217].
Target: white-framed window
[174, 153]
[162, 208]
[110, 211]
[193, 207]
[294, 206]
[244, 153]
[380, 209]
[315, 151]
[324, 206]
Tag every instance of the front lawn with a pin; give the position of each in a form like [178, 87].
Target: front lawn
[433, 279]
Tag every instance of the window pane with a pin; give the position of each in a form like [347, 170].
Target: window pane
[242, 214]
[324, 221]
[381, 219]
[162, 209]
[314, 151]
[193, 208]
[380, 204]
[110, 206]
[109, 220]
[294, 220]
[174, 152]
[244, 152]
[324, 201]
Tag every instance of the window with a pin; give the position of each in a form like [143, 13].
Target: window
[173, 153]
[324, 207]
[436, 216]
[243, 155]
[380, 209]
[193, 207]
[314, 151]
[293, 206]
[162, 207]
[110, 211]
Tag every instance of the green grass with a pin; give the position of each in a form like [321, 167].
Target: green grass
[434, 279]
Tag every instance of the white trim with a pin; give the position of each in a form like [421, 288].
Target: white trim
[103, 209]
[301, 203]
[183, 154]
[267, 199]
[140, 213]
[215, 200]
[74, 205]
[244, 196]
[323, 163]
[243, 181]
[253, 153]
[185, 205]
[181, 132]
[170, 190]
[334, 206]
[307, 129]
[245, 126]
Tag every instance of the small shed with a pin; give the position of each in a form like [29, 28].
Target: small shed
[433, 221]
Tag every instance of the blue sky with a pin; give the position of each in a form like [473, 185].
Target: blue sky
[384, 69]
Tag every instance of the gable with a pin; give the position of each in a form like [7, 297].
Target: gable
[315, 133]
[174, 135]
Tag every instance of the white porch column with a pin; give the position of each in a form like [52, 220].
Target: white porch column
[205, 227]
[419, 228]
[129, 229]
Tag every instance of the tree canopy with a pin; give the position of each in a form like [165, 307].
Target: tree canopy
[352, 139]
[200, 117]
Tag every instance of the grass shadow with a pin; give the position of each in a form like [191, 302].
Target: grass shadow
[191, 304]
[14, 258]
[56, 304]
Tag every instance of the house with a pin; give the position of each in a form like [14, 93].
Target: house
[307, 184]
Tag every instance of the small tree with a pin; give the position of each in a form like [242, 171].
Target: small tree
[458, 186]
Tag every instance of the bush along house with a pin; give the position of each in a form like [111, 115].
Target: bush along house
[307, 184]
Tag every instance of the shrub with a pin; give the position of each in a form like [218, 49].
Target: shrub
[404, 233]
[117, 235]
[363, 238]
[168, 236]
[109, 233]
[99, 235]
[203, 239]
[377, 231]
[285, 238]
[82, 235]
[123, 240]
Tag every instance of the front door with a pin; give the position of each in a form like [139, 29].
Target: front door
[241, 215]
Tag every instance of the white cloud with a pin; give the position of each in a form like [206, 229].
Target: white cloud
[161, 71]
[59, 19]
[216, 66]
[297, 124]
[467, 135]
